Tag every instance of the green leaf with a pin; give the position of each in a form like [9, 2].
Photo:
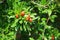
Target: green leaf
[43, 19]
[16, 0]
[12, 16]
[21, 28]
[49, 12]
[44, 11]
[52, 18]
[20, 21]
[11, 33]
[43, 2]
[14, 24]
[40, 37]
[48, 27]
[24, 27]
[45, 38]
[31, 38]
[10, 12]
[43, 22]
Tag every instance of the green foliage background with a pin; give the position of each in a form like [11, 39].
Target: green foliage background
[45, 15]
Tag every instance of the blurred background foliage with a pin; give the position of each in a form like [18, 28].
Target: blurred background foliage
[44, 13]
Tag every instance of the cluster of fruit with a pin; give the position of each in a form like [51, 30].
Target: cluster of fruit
[28, 18]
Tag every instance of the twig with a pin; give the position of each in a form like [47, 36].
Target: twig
[45, 26]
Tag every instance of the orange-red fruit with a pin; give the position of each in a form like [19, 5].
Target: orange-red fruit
[52, 37]
[28, 17]
[16, 16]
[30, 20]
[22, 13]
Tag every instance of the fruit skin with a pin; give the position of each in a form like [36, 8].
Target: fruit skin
[52, 37]
[28, 17]
[22, 13]
[16, 16]
[30, 20]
